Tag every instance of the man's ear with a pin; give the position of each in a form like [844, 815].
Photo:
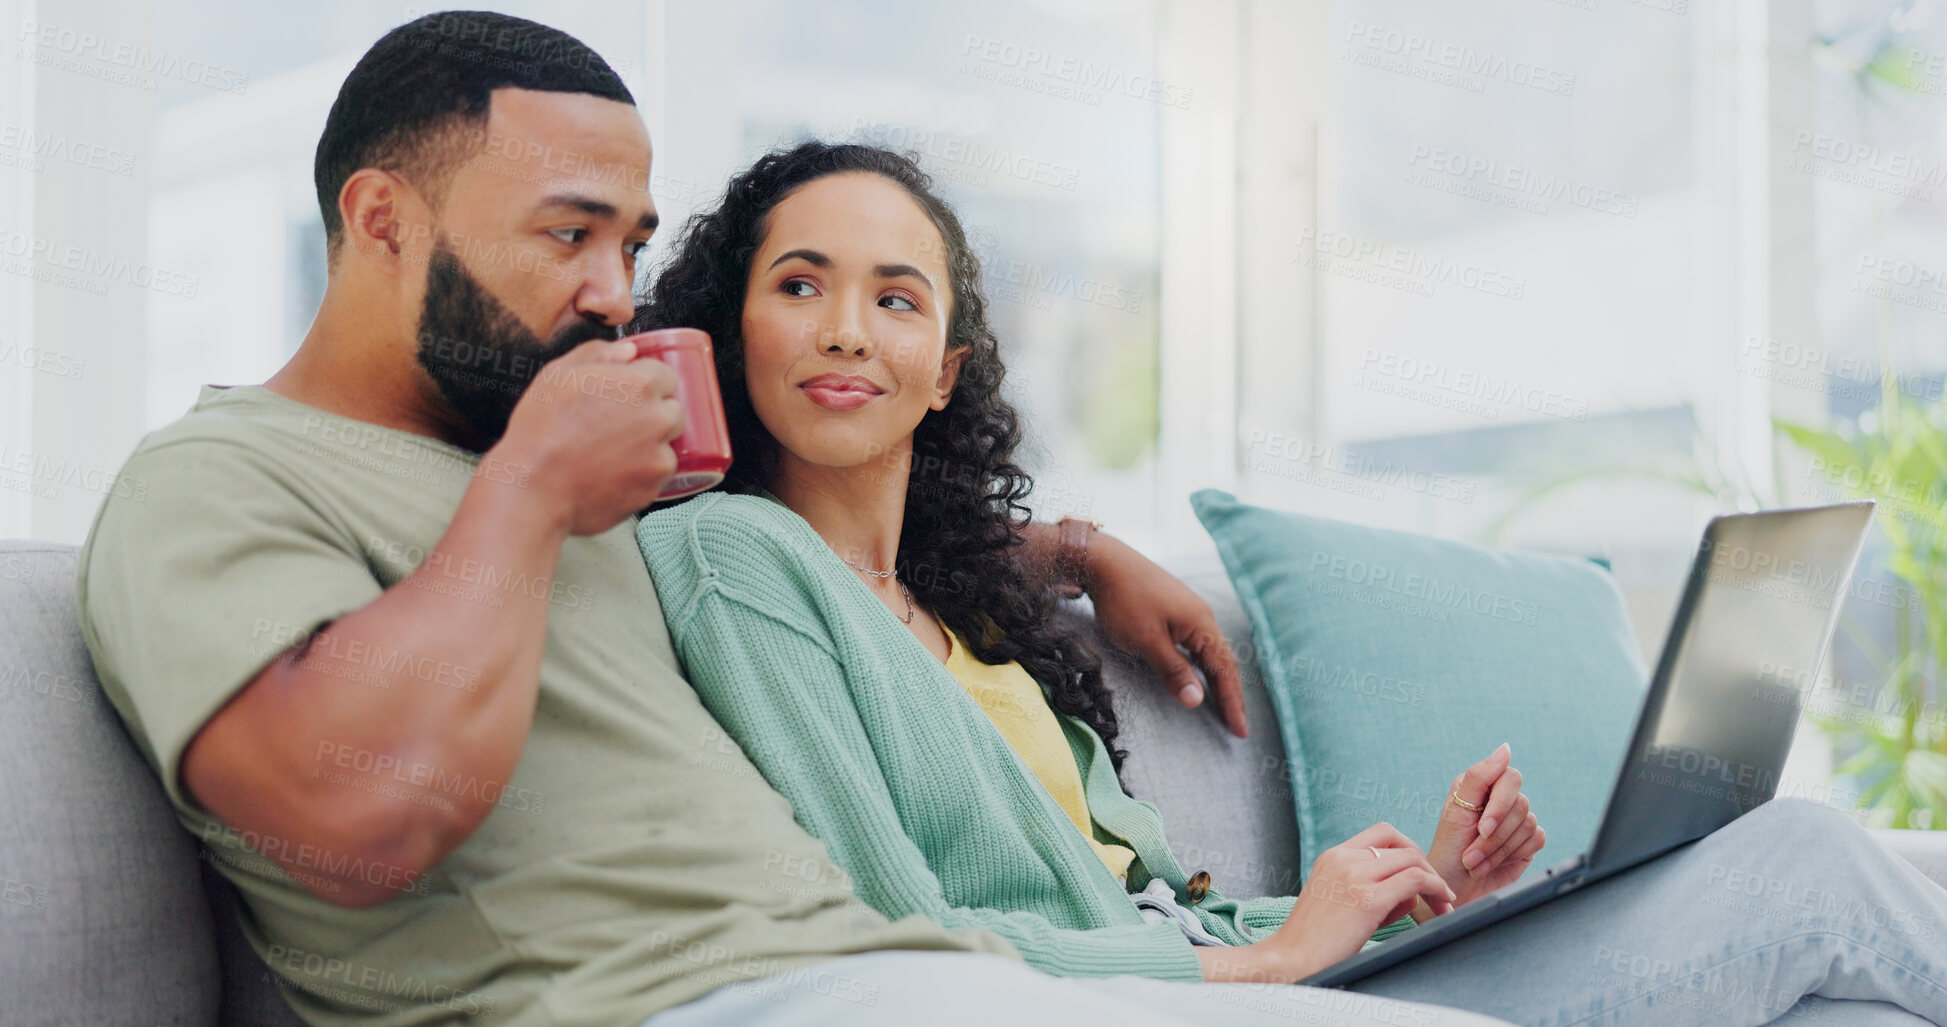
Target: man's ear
[378, 209]
[949, 374]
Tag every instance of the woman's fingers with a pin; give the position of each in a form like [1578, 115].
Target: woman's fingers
[1390, 863]
[1474, 783]
[1515, 818]
[1521, 844]
[1404, 890]
[1500, 801]
[1392, 854]
[1371, 863]
[1383, 835]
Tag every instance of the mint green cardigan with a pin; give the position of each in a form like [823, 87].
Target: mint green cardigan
[888, 760]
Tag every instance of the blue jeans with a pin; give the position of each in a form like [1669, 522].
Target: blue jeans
[1791, 913]
[1792, 899]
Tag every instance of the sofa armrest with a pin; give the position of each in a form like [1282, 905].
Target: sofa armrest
[1926, 850]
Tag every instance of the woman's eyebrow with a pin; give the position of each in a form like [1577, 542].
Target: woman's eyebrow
[899, 270]
[812, 257]
[817, 259]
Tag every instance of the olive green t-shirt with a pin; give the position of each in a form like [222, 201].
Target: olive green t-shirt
[636, 859]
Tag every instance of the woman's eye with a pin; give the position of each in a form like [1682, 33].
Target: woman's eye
[570, 236]
[797, 287]
[635, 249]
[905, 304]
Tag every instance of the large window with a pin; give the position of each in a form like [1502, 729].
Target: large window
[1039, 123]
[1537, 272]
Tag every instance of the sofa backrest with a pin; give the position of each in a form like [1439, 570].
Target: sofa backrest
[103, 920]
[104, 913]
[1226, 802]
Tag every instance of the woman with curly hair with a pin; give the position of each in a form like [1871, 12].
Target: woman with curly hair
[851, 606]
[958, 756]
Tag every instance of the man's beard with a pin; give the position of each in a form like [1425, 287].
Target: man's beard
[479, 354]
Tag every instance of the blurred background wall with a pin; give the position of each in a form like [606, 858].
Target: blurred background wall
[1525, 272]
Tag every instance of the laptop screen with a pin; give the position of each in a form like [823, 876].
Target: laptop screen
[1749, 636]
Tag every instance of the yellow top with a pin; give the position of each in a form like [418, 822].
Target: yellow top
[1013, 701]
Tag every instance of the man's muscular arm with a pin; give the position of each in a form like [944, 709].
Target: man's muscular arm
[261, 763]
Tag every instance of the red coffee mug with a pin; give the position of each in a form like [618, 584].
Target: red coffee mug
[703, 450]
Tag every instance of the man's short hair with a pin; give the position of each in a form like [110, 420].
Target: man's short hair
[417, 102]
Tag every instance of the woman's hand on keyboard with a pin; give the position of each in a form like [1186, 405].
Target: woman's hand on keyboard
[1372, 879]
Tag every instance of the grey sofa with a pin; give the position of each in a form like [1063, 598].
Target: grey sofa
[108, 916]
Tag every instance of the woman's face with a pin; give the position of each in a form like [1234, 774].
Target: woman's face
[845, 317]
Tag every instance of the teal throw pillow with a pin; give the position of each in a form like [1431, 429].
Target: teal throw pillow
[1397, 660]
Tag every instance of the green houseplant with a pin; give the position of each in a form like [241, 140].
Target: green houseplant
[1896, 455]
[1893, 755]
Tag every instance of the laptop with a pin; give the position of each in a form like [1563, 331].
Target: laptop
[1750, 633]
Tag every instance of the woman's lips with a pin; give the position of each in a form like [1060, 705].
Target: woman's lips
[840, 392]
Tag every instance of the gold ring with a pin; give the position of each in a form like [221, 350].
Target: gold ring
[1375, 851]
[1464, 804]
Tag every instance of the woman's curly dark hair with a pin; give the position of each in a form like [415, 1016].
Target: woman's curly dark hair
[965, 496]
